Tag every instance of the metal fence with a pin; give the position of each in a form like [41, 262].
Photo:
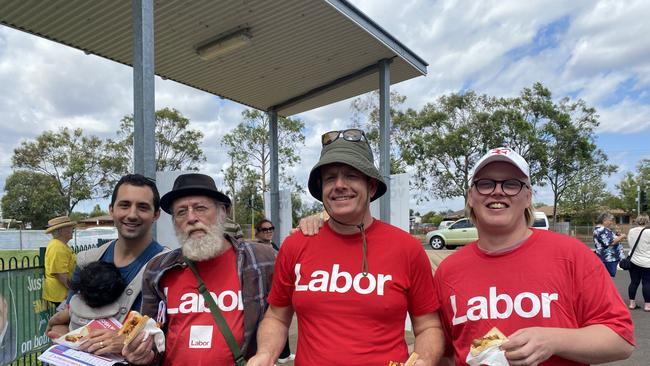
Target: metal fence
[23, 312]
[585, 233]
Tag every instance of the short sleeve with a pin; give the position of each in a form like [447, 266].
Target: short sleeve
[283, 276]
[598, 301]
[61, 260]
[422, 298]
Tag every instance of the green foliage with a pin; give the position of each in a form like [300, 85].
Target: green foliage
[445, 139]
[32, 197]
[301, 209]
[628, 186]
[177, 146]
[77, 216]
[249, 152]
[82, 166]
[97, 211]
[585, 198]
[432, 218]
[244, 213]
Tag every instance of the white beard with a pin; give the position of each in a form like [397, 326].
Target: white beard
[210, 245]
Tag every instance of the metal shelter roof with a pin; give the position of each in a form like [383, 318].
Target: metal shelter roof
[303, 54]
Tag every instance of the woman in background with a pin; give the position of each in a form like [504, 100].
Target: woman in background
[640, 266]
[608, 246]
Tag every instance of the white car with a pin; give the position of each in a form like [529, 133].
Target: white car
[541, 221]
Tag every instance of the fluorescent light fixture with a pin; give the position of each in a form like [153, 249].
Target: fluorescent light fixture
[224, 44]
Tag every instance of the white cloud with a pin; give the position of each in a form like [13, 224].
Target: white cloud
[600, 57]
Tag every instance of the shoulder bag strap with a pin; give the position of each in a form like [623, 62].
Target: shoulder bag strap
[218, 317]
[637, 242]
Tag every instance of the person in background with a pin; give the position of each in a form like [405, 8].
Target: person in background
[640, 266]
[60, 260]
[545, 291]
[264, 230]
[608, 244]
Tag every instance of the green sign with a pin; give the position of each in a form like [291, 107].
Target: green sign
[23, 313]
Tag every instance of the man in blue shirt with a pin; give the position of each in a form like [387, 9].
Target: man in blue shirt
[135, 206]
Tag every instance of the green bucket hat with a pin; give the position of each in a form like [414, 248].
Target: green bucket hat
[356, 154]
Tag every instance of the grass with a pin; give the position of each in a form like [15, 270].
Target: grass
[16, 258]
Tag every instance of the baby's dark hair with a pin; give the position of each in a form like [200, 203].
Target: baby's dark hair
[99, 284]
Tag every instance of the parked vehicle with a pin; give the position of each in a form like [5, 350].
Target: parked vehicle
[458, 233]
[541, 221]
[462, 232]
[445, 224]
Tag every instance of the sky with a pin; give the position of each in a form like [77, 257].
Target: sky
[592, 50]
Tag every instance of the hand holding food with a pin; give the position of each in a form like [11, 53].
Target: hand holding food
[409, 362]
[492, 338]
[132, 325]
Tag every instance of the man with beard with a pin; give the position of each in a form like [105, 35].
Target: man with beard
[135, 206]
[237, 274]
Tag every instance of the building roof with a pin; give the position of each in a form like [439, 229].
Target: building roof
[298, 47]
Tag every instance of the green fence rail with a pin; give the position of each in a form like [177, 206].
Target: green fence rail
[23, 312]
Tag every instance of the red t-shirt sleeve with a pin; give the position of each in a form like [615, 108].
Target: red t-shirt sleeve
[598, 301]
[283, 276]
[422, 298]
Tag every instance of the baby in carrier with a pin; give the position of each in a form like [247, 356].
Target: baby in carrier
[96, 291]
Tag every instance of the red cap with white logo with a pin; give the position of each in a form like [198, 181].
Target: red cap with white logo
[501, 154]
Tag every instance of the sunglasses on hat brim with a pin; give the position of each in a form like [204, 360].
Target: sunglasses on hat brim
[351, 134]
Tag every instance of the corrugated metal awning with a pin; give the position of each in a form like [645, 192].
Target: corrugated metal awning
[298, 47]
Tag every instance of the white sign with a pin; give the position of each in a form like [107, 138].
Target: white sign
[399, 202]
[285, 225]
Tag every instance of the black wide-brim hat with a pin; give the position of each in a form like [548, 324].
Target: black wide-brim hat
[193, 184]
[356, 154]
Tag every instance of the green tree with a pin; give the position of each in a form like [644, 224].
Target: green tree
[78, 216]
[300, 209]
[585, 197]
[248, 147]
[82, 166]
[568, 138]
[432, 217]
[446, 139]
[628, 186]
[97, 211]
[249, 205]
[32, 197]
[177, 146]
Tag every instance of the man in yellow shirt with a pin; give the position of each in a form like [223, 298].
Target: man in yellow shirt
[60, 260]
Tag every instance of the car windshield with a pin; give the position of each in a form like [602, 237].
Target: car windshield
[539, 223]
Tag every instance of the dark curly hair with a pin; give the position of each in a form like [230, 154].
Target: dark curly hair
[99, 284]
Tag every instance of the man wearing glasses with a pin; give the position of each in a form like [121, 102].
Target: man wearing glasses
[237, 275]
[545, 291]
[352, 284]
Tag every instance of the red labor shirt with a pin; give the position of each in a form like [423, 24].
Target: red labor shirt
[192, 337]
[344, 317]
[551, 280]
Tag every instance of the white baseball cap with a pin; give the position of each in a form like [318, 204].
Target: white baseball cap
[504, 154]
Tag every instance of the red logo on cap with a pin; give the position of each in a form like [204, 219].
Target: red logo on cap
[501, 151]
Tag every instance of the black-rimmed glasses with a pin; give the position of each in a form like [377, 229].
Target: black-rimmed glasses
[510, 187]
[351, 134]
